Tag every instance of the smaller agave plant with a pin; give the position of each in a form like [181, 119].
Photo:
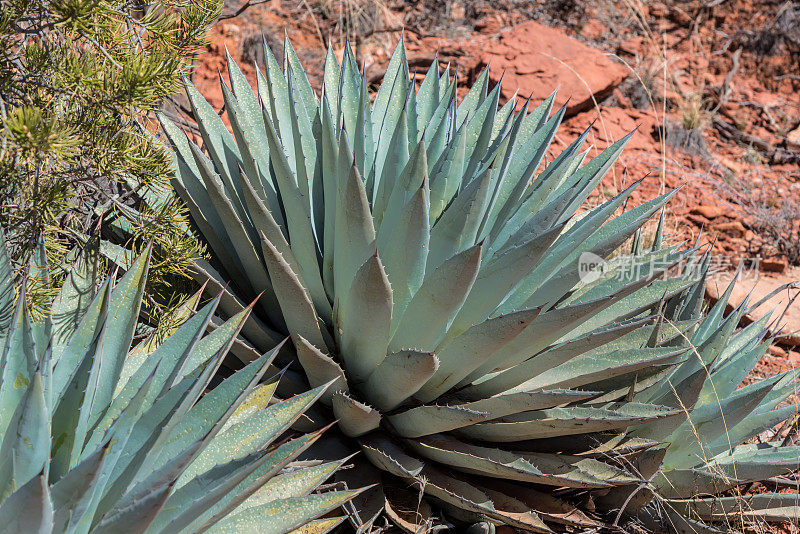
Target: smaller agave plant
[724, 438]
[98, 438]
[727, 438]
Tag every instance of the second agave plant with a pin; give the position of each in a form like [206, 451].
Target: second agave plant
[423, 256]
[98, 437]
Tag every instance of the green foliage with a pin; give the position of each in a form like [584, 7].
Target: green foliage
[427, 261]
[96, 436]
[77, 81]
[728, 441]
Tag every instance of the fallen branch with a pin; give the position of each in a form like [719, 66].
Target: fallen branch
[774, 154]
[397, 29]
[246, 5]
[725, 90]
[782, 483]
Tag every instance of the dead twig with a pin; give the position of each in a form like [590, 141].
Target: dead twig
[725, 90]
[396, 29]
[773, 154]
[791, 434]
[782, 483]
[244, 7]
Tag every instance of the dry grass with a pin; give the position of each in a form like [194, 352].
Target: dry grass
[777, 221]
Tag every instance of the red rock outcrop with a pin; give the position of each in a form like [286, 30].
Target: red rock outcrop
[535, 59]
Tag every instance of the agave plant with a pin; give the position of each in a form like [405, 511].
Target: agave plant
[99, 438]
[424, 258]
[689, 478]
[712, 452]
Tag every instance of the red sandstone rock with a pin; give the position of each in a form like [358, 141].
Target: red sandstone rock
[535, 59]
[735, 228]
[794, 136]
[775, 350]
[699, 220]
[755, 289]
[773, 265]
[709, 212]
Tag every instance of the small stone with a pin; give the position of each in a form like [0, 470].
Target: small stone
[775, 350]
[489, 24]
[231, 30]
[773, 265]
[622, 99]
[731, 165]
[709, 212]
[733, 229]
[698, 220]
[631, 46]
[680, 16]
[794, 136]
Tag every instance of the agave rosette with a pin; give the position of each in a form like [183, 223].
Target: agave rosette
[98, 437]
[729, 438]
[425, 256]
